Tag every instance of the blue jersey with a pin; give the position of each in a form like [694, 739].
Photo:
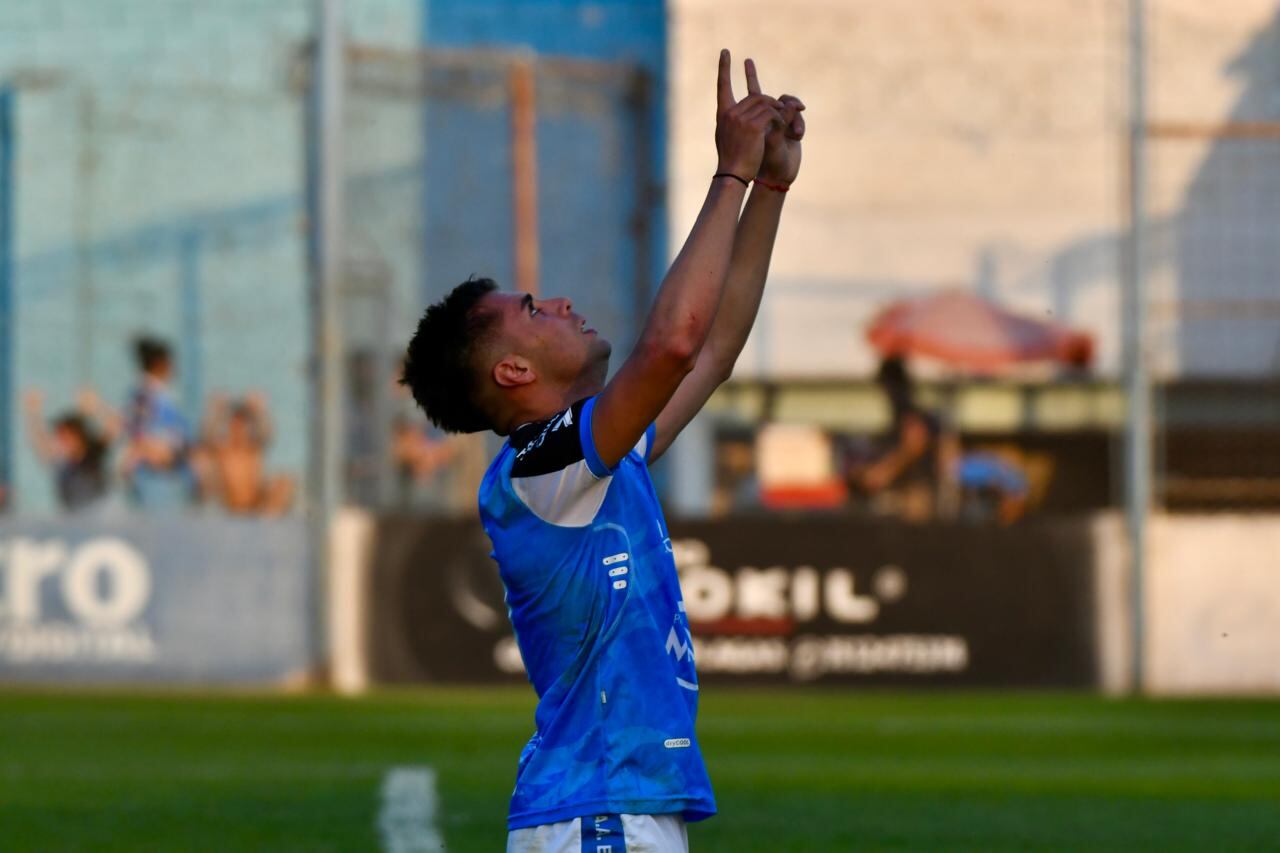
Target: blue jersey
[595, 602]
[153, 413]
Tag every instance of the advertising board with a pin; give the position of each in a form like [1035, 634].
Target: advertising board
[137, 599]
[778, 600]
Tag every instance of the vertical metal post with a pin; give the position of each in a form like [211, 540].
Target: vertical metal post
[524, 169]
[83, 229]
[325, 179]
[191, 368]
[640, 105]
[7, 135]
[1137, 377]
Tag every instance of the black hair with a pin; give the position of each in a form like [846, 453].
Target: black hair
[150, 352]
[95, 447]
[439, 365]
[895, 380]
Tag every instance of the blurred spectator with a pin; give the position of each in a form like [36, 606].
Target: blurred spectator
[419, 462]
[992, 486]
[918, 452]
[737, 484]
[157, 434]
[73, 447]
[230, 459]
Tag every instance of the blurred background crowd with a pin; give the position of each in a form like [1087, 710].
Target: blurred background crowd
[151, 454]
[945, 332]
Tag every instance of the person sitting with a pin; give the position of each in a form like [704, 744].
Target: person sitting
[919, 451]
[421, 461]
[993, 486]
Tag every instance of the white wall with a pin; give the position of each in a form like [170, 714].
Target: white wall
[1211, 596]
[975, 142]
[1213, 604]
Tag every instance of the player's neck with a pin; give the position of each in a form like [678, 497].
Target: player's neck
[534, 403]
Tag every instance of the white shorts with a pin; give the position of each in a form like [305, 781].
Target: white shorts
[628, 833]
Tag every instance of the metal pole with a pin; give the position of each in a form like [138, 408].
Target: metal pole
[192, 366]
[524, 168]
[7, 350]
[326, 203]
[1137, 377]
[640, 105]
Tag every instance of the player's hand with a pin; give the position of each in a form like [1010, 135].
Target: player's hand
[741, 126]
[781, 163]
[33, 401]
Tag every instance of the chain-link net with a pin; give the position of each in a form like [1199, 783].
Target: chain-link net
[1214, 210]
[146, 209]
[433, 196]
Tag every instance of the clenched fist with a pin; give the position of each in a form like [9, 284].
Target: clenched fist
[781, 162]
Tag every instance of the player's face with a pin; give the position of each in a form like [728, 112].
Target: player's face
[560, 343]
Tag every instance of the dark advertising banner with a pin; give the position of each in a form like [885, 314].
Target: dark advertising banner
[436, 610]
[797, 600]
[136, 599]
[823, 600]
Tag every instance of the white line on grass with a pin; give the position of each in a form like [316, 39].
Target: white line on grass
[407, 820]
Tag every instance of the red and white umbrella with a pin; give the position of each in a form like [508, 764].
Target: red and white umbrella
[965, 330]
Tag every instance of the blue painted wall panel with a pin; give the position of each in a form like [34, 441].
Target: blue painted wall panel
[587, 188]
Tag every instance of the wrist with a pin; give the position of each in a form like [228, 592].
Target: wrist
[772, 184]
[728, 176]
[775, 175]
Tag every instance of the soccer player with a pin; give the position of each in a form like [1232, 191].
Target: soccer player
[577, 531]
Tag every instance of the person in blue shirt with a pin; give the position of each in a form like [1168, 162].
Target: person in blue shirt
[577, 530]
[158, 435]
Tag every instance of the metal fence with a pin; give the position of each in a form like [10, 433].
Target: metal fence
[1213, 267]
[531, 170]
[168, 210]
[184, 212]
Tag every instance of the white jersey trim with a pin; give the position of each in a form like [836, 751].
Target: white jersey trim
[570, 497]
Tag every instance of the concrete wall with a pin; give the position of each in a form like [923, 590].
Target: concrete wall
[980, 143]
[1211, 597]
[1213, 604]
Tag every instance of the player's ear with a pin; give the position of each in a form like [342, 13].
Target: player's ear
[513, 371]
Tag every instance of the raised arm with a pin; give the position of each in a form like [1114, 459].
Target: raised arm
[108, 418]
[46, 449]
[213, 428]
[682, 313]
[257, 402]
[748, 270]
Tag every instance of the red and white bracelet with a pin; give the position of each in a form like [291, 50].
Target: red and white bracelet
[781, 188]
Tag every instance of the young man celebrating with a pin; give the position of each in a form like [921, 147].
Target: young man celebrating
[577, 530]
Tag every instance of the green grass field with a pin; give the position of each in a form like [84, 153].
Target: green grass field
[793, 770]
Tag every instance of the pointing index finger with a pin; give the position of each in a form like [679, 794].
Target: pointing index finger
[753, 82]
[724, 85]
